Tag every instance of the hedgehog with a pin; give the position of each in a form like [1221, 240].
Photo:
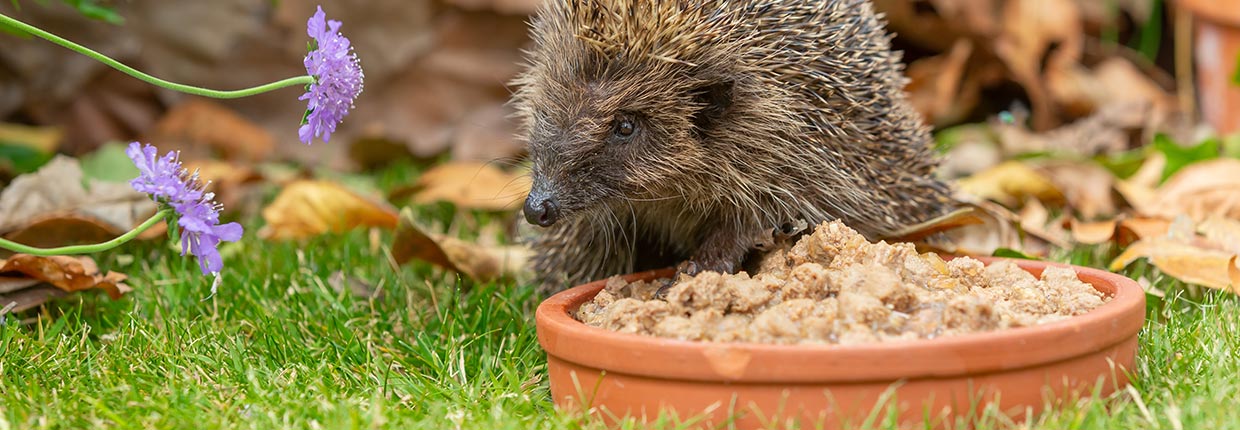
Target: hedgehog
[672, 133]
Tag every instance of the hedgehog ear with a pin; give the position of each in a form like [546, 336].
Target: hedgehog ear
[715, 100]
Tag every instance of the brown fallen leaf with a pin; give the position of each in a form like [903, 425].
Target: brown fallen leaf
[1037, 36]
[1093, 233]
[60, 230]
[1200, 190]
[478, 262]
[1233, 275]
[307, 208]
[471, 185]
[28, 298]
[228, 180]
[53, 207]
[1000, 228]
[67, 273]
[1010, 183]
[1086, 187]
[1197, 253]
[1131, 230]
[955, 219]
[10, 284]
[200, 127]
[938, 87]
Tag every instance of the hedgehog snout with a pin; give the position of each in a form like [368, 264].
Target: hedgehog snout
[541, 207]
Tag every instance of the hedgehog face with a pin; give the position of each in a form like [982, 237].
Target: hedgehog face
[619, 136]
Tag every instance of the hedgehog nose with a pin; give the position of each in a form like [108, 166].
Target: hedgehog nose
[541, 210]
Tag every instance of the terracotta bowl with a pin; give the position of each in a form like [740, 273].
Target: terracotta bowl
[756, 385]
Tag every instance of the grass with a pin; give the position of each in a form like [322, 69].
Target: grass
[329, 334]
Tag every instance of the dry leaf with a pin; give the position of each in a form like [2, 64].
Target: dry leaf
[228, 180]
[1131, 230]
[45, 140]
[1086, 187]
[472, 185]
[955, 219]
[38, 200]
[1000, 229]
[308, 208]
[1010, 183]
[198, 124]
[66, 273]
[1093, 233]
[1182, 261]
[1201, 254]
[938, 87]
[1200, 190]
[28, 298]
[60, 230]
[10, 284]
[481, 263]
[1036, 36]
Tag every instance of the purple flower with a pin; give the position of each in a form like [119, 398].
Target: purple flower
[201, 232]
[197, 214]
[337, 78]
[159, 176]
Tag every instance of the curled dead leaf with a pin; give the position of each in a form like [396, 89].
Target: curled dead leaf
[52, 207]
[1200, 190]
[1183, 261]
[938, 87]
[307, 208]
[229, 181]
[66, 273]
[28, 298]
[478, 262]
[1093, 233]
[1000, 228]
[1131, 230]
[472, 185]
[66, 229]
[952, 220]
[1010, 183]
[1233, 275]
[201, 127]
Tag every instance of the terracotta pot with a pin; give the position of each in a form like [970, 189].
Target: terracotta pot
[641, 376]
[1216, 48]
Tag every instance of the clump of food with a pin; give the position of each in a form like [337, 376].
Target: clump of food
[835, 287]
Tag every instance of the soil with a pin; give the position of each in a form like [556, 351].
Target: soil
[835, 287]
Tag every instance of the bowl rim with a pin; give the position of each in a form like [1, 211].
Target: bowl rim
[1116, 321]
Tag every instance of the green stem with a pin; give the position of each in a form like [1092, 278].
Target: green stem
[86, 249]
[290, 82]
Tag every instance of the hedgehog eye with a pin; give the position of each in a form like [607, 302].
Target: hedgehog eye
[624, 128]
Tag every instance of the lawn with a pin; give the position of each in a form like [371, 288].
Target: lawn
[331, 334]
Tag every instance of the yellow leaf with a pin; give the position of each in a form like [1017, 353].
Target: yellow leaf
[1200, 190]
[1010, 183]
[471, 185]
[42, 139]
[308, 208]
[1093, 233]
[478, 262]
[1184, 261]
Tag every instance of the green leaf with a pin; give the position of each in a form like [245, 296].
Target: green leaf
[17, 158]
[1231, 146]
[1235, 78]
[109, 163]
[1012, 253]
[1124, 164]
[1180, 156]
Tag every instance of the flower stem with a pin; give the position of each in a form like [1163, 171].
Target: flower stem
[290, 82]
[86, 249]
